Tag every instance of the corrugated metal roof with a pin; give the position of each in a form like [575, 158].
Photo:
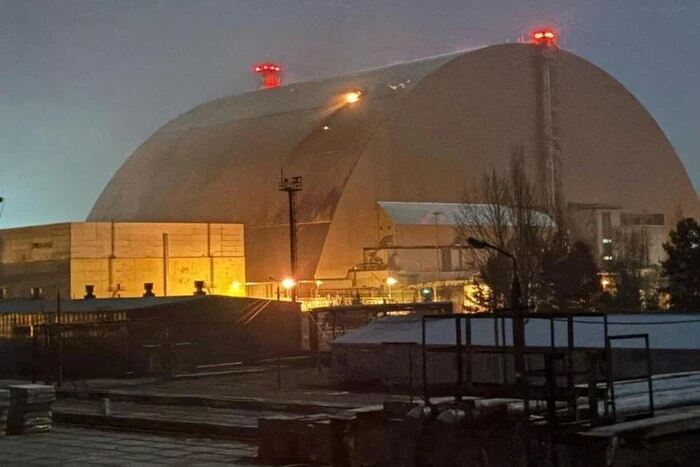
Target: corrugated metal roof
[666, 330]
[310, 96]
[452, 213]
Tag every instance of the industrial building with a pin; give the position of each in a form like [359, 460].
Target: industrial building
[116, 259]
[417, 132]
[146, 335]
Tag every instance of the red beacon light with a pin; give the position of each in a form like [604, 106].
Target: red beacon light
[269, 74]
[546, 37]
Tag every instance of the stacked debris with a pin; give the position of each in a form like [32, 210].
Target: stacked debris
[4, 405]
[30, 408]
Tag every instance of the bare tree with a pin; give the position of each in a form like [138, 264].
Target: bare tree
[506, 211]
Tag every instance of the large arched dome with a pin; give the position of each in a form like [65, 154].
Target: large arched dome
[423, 131]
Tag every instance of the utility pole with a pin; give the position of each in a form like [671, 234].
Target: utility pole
[292, 186]
[2, 207]
[437, 257]
[59, 341]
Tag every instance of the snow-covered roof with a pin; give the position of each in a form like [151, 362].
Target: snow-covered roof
[454, 214]
[666, 331]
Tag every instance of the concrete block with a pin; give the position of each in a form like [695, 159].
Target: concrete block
[30, 408]
[288, 439]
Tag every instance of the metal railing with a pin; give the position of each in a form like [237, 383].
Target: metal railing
[648, 375]
[545, 365]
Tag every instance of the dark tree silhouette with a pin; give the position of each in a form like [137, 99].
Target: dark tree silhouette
[682, 268]
[572, 278]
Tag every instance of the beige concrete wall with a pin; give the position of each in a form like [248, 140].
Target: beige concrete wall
[35, 257]
[129, 275]
[145, 240]
[118, 258]
[39, 243]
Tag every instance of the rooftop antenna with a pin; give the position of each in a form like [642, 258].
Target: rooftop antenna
[546, 39]
[270, 74]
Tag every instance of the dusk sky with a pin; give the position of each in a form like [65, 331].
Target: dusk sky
[84, 82]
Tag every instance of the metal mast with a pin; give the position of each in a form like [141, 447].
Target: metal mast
[292, 186]
[547, 42]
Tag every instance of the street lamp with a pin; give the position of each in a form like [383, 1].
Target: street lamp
[288, 283]
[389, 282]
[515, 290]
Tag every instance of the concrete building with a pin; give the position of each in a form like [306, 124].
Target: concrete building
[118, 258]
[604, 226]
[421, 132]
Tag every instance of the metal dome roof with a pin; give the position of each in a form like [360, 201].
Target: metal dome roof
[423, 132]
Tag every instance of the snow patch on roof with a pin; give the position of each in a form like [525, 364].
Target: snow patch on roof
[404, 213]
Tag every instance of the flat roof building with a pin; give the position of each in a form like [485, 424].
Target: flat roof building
[118, 258]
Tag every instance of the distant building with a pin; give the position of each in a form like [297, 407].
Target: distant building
[118, 258]
[602, 227]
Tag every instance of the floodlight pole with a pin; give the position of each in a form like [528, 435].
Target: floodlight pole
[292, 186]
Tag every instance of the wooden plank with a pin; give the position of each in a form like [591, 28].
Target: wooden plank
[667, 422]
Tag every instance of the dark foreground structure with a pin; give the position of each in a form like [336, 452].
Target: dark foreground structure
[139, 336]
[596, 390]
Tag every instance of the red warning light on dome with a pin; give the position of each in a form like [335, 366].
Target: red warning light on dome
[269, 74]
[545, 36]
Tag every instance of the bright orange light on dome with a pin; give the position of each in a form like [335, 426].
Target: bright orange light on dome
[352, 97]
